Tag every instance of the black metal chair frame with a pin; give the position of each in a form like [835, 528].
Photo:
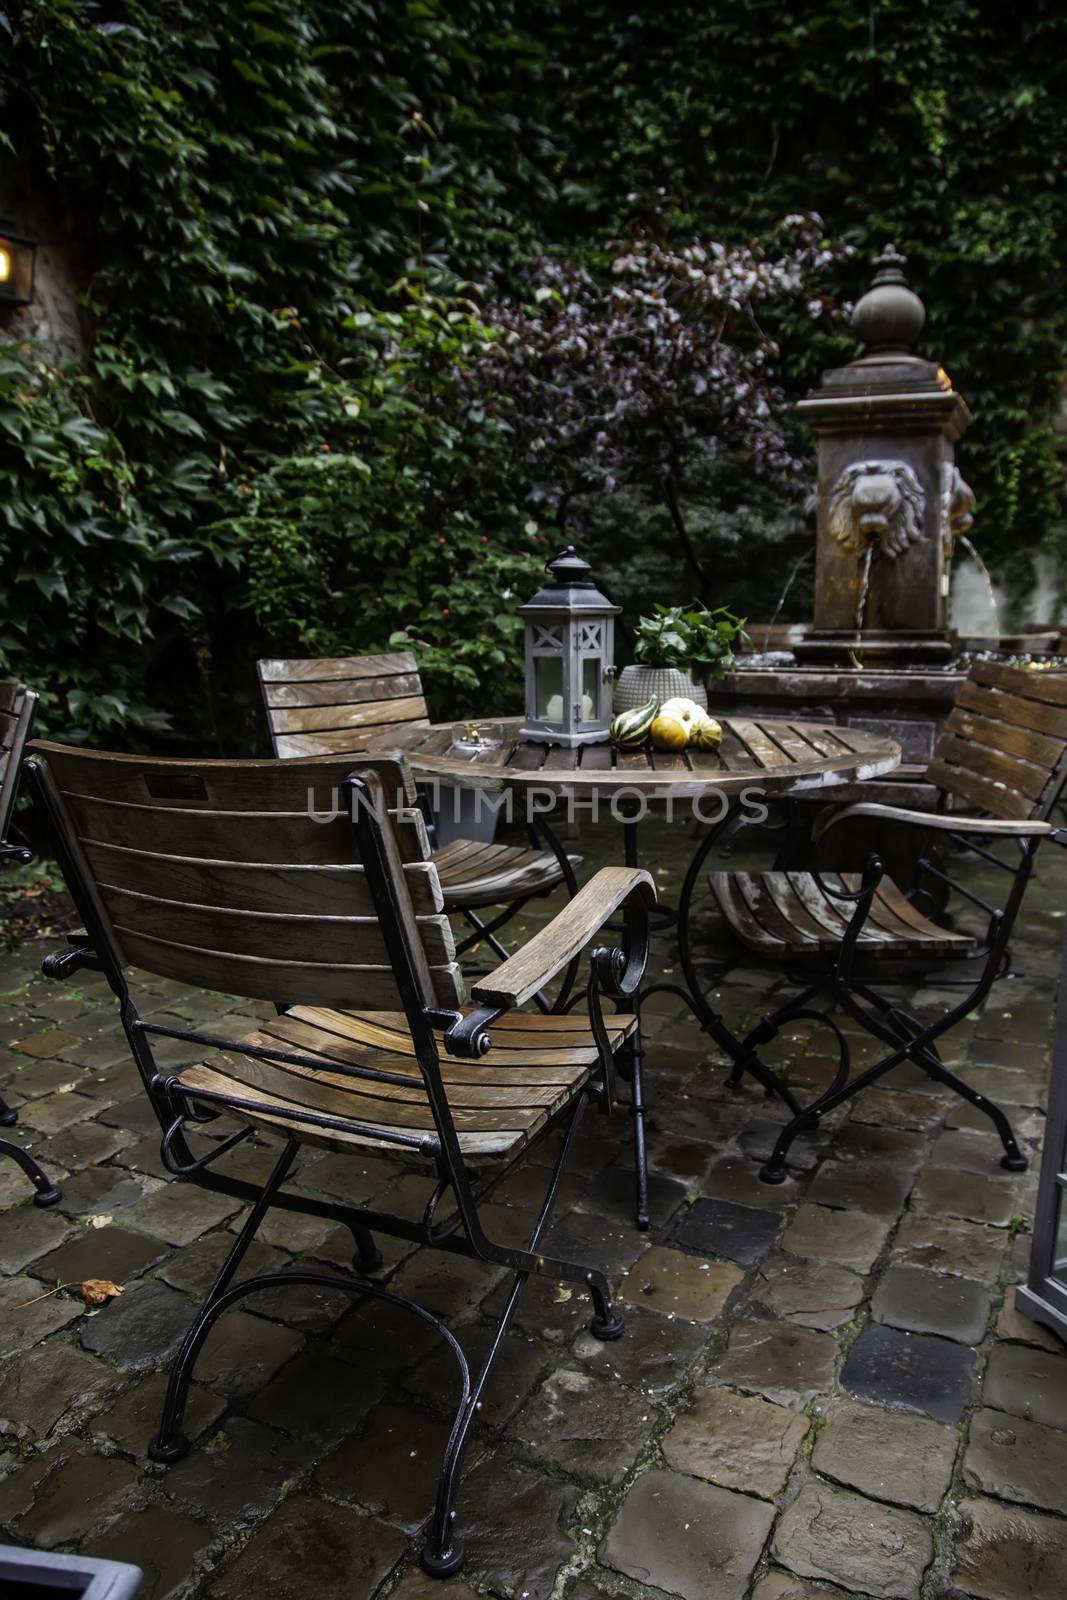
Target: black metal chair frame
[46, 1192]
[615, 974]
[839, 985]
[486, 932]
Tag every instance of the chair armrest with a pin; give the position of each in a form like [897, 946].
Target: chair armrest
[78, 955]
[529, 969]
[990, 827]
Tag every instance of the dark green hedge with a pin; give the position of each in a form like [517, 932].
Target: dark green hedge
[935, 123]
[277, 213]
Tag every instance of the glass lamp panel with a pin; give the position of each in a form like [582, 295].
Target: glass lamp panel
[548, 688]
[591, 682]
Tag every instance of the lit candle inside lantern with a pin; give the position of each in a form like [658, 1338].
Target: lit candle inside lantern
[5, 266]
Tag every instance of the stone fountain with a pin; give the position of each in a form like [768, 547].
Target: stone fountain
[890, 496]
[890, 505]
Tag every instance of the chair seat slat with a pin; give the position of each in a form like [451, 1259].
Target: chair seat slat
[367, 1024]
[471, 1091]
[788, 914]
[289, 1090]
[496, 1108]
[536, 1064]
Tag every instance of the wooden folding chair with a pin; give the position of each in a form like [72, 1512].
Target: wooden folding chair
[338, 705]
[1003, 753]
[311, 885]
[17, 708]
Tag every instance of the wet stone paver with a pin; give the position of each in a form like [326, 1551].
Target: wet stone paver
[824, 1391]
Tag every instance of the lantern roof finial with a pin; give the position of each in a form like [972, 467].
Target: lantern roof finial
[568, 567]
[571, 586]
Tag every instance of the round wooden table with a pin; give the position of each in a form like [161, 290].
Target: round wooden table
[525, 781]
[779, 757]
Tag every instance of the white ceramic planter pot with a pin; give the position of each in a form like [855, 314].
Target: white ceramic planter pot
[636, 685]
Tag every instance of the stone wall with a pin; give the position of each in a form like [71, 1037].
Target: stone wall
[54, 317]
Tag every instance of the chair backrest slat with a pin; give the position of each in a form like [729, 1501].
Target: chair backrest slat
[263, 836]
[17, 707]
[339, 704]
[304, 693]
[301, 888]
[1004, 745]
[247, 877]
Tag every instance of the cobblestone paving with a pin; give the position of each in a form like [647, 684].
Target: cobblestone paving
[823, 1390]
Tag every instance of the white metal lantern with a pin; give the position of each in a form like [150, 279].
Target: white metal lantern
[570, 656]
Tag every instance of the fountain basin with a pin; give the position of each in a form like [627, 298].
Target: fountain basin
[909, 702]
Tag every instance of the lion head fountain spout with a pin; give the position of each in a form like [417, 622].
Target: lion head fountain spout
[876, 501]
[890, 498]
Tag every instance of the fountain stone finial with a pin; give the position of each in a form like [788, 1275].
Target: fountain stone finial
[890, 316]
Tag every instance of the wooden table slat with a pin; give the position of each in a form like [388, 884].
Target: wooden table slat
[527, 757]
[822, 740]
[598, 757]
[767, 753]
[632, 761]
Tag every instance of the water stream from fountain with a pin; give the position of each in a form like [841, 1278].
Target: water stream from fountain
[865, 586]
[991, 593]
[789, 582]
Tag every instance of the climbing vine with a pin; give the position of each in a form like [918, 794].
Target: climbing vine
[291, 223]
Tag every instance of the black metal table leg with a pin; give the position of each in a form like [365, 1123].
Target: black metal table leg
[47, 1192]
[691, 991]
[742, 1055]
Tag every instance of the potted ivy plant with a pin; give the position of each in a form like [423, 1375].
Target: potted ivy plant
[678, 649]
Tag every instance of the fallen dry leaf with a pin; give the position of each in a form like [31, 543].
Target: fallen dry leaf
[98, 1291]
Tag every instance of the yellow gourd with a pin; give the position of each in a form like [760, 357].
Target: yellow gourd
[669, 733]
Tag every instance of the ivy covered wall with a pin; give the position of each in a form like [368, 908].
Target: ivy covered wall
[286, 221]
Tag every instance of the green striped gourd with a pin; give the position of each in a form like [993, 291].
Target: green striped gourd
[631, 728]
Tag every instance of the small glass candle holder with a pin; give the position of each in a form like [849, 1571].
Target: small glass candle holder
[476, 738]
